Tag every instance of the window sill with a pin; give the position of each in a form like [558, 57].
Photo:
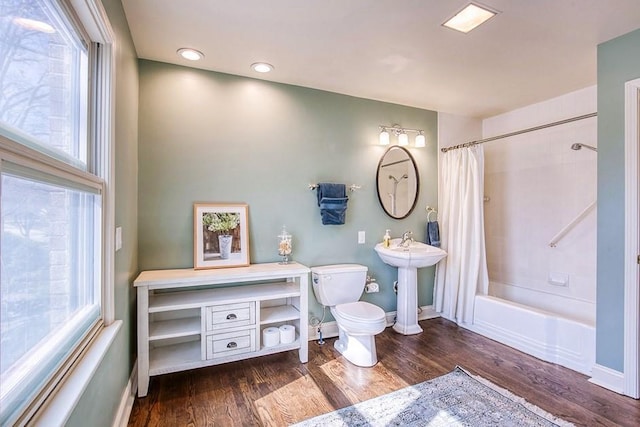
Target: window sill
[61, 405]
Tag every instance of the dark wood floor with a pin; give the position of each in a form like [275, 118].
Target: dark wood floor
[278, 390]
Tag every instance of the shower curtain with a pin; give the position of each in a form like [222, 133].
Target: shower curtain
[463, 273]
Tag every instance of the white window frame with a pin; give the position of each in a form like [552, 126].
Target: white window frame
[56, 402]
[96, 23]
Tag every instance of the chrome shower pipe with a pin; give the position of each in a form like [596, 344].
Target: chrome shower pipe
[578, 146]
[397, 180]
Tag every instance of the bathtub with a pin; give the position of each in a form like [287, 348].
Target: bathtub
[540, 333]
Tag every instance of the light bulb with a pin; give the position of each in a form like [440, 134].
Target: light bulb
[261, 67]
[190, 54]
[403, 139]
[420, 140]
[384, 137]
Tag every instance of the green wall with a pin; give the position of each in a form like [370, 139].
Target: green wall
[618, 62]
[211, 137]
[206, 136]
[101, 399]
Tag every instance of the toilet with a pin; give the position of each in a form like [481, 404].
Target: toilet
[340, 287]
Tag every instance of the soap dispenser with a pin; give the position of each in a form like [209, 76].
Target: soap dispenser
[386, 240]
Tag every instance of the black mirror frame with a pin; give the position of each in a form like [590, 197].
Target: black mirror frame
[415, 168]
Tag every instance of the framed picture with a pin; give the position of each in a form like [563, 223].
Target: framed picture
[220, 235]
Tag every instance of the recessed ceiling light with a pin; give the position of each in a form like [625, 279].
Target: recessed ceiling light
[32, 24]
[470, 17]
[190, 54]
[262, 67]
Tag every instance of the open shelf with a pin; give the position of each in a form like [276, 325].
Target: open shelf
[192, 299]
[279, 313]
[174, 328]
[172, 358]
[280, 347]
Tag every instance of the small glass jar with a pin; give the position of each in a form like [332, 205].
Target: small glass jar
[284, 245]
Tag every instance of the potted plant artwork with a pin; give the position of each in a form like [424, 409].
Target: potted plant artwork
[223, 224]
[220, 235]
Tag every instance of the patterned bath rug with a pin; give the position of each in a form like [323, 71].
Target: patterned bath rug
[455, 399]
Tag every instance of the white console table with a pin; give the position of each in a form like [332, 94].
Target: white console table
[193, 318]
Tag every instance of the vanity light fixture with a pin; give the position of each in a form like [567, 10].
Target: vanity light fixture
[190, 54]
[384, 136]
[470, 17]
[261, 67]
[403, 138]
[401, 134]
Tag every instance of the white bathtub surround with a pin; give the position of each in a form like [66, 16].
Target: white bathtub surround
[536, 332]
[580, 310]
[464, 272]
[541, 298]
[537, 185]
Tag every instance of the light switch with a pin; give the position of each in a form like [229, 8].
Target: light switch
[361, 237]
[118, 238]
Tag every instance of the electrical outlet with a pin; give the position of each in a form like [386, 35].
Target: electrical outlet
[361, 237]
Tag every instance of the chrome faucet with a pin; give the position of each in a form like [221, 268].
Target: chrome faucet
[407, 239]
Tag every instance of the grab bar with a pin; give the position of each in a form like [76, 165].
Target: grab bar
[572, 224]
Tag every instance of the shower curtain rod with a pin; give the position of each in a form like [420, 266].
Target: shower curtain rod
[518, 132]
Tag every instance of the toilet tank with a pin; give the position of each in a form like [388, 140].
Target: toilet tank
[339, 283]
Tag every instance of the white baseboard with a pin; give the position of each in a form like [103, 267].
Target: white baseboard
[330, 329]
[607, 378]
[128, 397]
[427, 312]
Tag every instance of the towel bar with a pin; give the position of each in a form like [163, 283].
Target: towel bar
[352, 187]
[431, 210]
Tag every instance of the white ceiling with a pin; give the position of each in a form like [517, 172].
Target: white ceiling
[393, 50]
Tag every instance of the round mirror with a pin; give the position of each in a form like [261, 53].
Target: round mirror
[398, 182]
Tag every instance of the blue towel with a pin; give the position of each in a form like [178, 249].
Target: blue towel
[333, 210]
[432, 234]
[326, 189]
[332, 199]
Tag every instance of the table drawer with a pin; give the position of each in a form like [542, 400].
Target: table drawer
[230, 315]
[221, 345]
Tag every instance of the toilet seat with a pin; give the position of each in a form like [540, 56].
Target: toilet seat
[360, 317]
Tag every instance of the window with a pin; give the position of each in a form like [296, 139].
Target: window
[52, 215]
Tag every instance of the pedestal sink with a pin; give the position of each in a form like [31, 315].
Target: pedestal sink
[408, 259]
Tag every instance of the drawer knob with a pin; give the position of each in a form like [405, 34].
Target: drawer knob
[231, 316]
[232, 344]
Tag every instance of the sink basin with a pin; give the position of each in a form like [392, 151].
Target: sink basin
[416, 255]
[408, 260]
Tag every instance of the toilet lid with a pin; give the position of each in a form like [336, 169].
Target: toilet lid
[360, 310]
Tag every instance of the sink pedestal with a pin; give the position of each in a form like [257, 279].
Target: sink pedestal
[408, 258]
[407, 311]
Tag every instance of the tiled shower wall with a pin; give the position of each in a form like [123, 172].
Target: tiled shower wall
[535, 185]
